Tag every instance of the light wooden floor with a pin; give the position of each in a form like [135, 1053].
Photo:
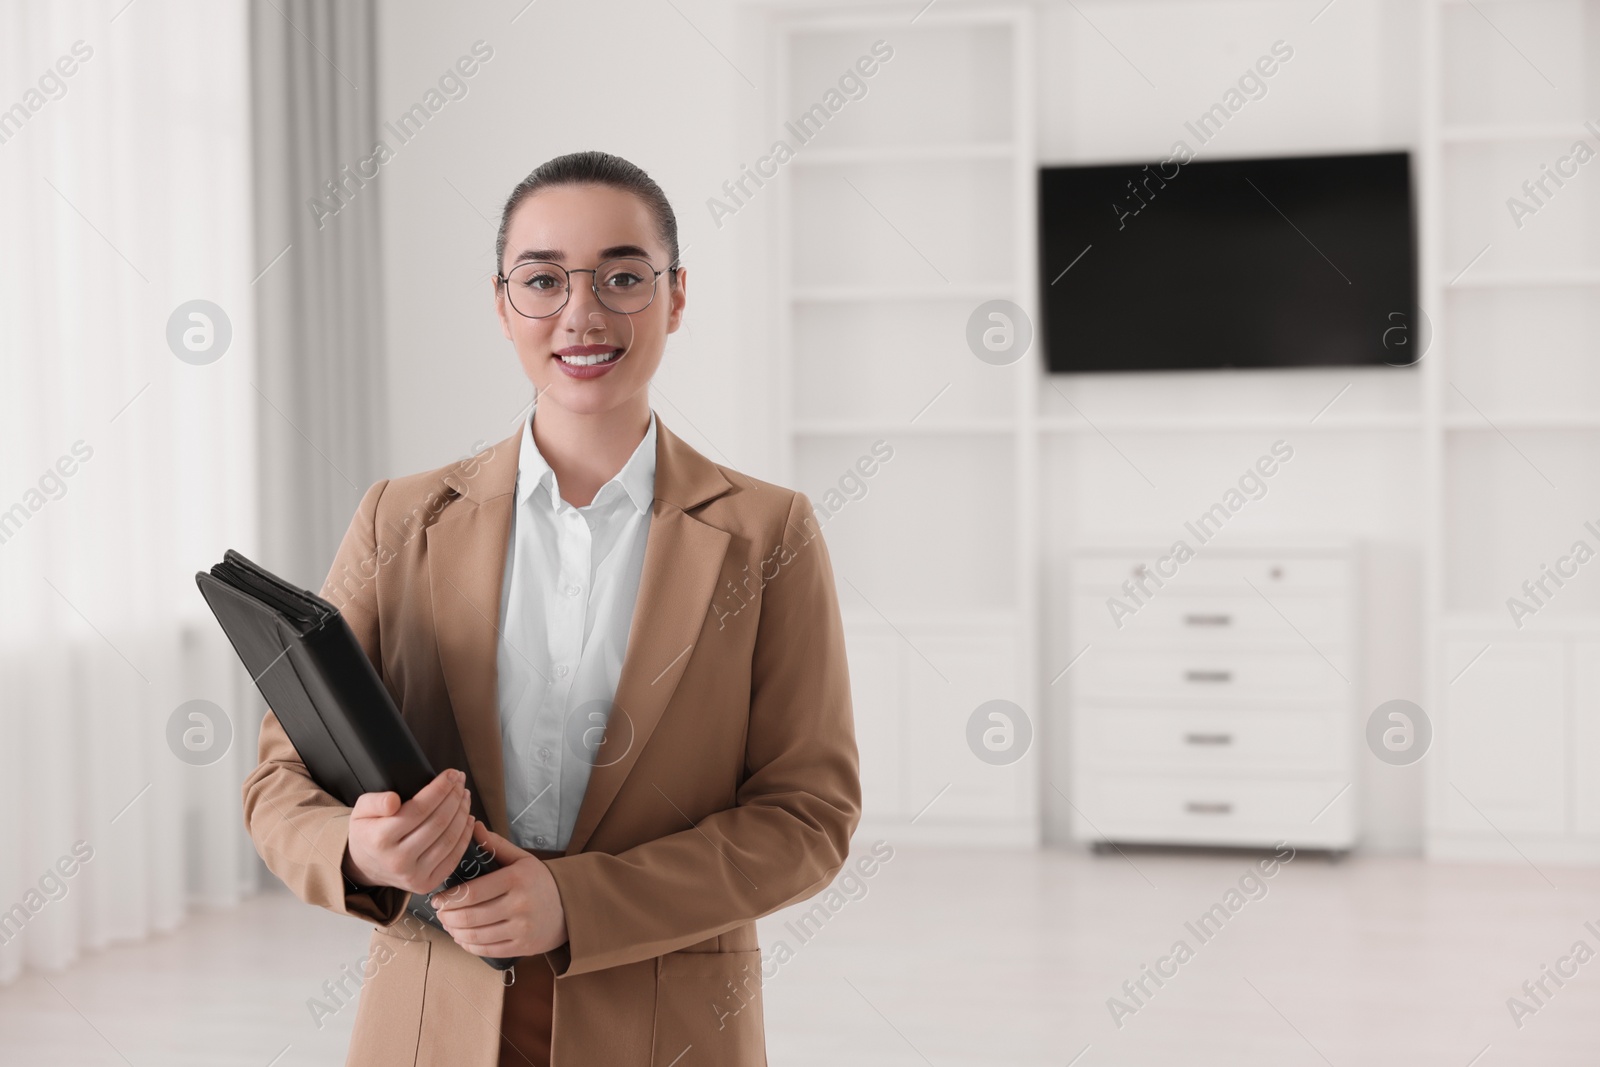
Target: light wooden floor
[968, 957]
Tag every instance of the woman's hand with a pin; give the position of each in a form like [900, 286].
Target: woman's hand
[415, 845]
[513, 911]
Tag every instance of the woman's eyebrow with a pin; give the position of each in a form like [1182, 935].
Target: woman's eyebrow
[555, 255]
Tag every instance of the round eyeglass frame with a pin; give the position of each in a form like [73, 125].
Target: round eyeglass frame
[593, 273]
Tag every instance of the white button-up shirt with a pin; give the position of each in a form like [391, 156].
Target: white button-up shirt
[571, 580]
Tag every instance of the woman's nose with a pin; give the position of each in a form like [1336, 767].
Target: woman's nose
[583, 305]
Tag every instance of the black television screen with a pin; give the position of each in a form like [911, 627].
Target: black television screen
[1305, 261]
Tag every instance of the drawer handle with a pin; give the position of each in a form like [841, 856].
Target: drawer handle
[1208, 807]
[1208, 676]
[1195, 619]
[1208, 739]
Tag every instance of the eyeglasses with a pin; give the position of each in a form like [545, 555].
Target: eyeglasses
[537, 289]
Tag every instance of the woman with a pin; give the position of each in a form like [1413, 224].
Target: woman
[630, 656]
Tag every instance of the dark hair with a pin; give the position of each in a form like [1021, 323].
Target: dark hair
[596, 168]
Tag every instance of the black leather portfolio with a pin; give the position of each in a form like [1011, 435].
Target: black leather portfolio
[328, 697]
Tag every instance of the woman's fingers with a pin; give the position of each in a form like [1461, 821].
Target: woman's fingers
[413, 843]
[410, 841]
[443, 855]
[495, 933]
[475, 918]
[446, 785]
[375, 805]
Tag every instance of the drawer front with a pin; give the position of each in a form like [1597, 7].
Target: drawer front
[1217, 618]
[1182, 740]
[1190, 809]
[1208, 674]
[1105, 574]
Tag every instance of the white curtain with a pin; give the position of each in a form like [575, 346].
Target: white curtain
[125, 193]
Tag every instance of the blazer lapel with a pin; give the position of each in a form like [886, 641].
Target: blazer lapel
[682, 562]
[466, 568]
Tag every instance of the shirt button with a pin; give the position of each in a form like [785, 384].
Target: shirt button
[538, 839]
[573, 590]
[544, 753]
[561, 672]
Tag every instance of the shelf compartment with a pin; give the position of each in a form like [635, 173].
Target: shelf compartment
[1531, 353]
[1483, 181]
[887, 361]
[894, 224]
[939, 86]
[1486, 78]
[1504, 521]
[930, 530]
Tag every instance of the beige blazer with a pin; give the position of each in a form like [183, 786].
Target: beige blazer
[727, 786]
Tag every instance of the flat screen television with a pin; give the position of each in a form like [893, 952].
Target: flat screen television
[1303, 261]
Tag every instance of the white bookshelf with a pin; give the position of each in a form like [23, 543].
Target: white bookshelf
[1510, 383]
[1511, 426]
[881, 259]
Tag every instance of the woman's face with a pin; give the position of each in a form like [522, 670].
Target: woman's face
[578, 226]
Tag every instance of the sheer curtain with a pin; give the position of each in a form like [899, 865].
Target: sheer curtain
[127, 462]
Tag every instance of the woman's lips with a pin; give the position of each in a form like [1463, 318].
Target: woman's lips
[589, 364]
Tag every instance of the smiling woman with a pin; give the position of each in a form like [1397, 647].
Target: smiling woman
[595, 215]
[652, 773]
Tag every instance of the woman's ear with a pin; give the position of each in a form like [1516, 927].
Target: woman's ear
[500, 307]
[680, 296]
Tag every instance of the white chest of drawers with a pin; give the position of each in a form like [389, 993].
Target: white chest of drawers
[1213, 701]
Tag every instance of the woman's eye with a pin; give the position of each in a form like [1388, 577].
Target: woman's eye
[621, 280]
[540, 281]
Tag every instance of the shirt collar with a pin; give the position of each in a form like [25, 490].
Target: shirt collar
[637, 476]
